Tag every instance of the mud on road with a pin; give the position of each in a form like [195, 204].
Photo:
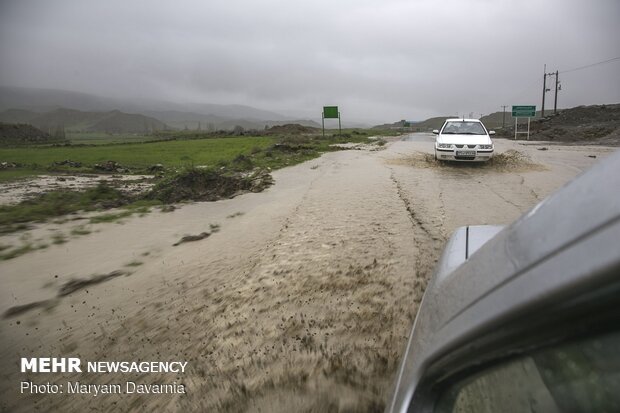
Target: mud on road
[302, 301]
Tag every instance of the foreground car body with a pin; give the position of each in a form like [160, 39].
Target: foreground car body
[528, 320]
[463, 140]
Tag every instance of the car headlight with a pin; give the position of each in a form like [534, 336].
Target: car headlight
[444, 145]
[485, 146]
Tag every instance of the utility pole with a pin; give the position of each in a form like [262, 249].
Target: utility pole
[542, 111]
[504, 116]
[555, 103]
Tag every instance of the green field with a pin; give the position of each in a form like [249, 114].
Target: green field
[141, 155]
[101, 138]
[194, 149]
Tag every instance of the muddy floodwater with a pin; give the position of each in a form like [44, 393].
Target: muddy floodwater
[298, 299]
[20, 190]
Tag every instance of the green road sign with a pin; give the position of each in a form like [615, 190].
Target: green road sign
[523, 111]
[330, 112]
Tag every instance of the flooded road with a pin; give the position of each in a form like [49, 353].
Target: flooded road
[301, 300]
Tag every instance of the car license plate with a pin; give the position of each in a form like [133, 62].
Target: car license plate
[465, 153]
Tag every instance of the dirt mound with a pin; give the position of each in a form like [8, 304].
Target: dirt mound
[67, 162]
[291, 128]
[598, 124]
[22, 134]
[111, 166]
[209, 185]
[581, 115]
[509, 161]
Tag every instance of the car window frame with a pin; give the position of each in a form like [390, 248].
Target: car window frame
[589, 314]
[474, 375]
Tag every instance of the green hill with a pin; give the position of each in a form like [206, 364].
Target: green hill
[13, 134]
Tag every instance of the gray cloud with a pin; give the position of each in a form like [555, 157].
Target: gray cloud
[378, 60]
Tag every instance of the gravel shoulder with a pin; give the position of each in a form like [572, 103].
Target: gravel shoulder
[302, 300]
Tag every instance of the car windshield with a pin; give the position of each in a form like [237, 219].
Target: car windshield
[463, 128]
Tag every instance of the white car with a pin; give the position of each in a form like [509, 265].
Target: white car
[463, 140]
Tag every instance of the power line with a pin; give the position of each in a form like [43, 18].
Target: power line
[525, 90]
[591, 65]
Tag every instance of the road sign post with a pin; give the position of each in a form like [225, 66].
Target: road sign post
[523, 112]
[331, 112]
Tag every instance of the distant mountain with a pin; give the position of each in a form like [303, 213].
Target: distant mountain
[431, 123]
[76, 120]
[495, 120]
[259, 125]
[192, 120]
[232, 111]
[194, 113]
[44, 100]
[18, 116]
[71, 120]
[119, 122]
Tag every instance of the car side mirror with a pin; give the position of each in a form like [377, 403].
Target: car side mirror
[491, 132]
[436, 132]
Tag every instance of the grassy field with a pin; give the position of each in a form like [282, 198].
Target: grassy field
[101, 138]
[140, 155]
[189, 149]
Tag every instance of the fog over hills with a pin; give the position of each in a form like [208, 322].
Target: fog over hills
[193, 120]
[113, 122]
[43, 100]
[377, 60]
[47, 108]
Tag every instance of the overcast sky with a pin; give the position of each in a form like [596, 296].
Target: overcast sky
[381, 60]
